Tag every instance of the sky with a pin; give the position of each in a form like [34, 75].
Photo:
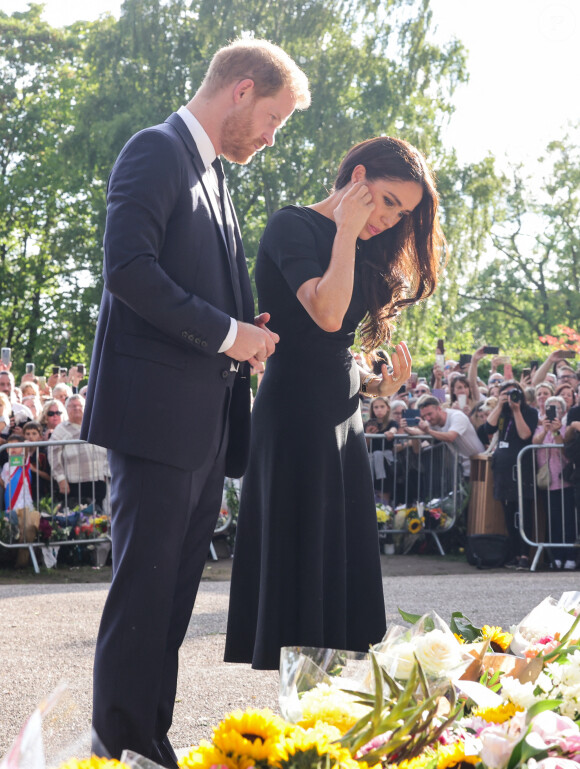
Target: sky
[522, 58]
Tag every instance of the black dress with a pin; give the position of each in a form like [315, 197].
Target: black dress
[306, 561]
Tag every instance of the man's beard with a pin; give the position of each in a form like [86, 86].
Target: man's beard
[236, 140]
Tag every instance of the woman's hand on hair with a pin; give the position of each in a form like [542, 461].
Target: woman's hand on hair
[354, 209]
[401, 360]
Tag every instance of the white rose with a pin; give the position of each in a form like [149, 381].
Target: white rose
[438, 652]
[545, 683]
[398, 660]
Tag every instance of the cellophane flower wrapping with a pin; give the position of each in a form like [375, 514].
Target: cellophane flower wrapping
[540, 631]
[431, 642]
[315, 680]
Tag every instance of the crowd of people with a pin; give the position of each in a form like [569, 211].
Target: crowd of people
[42, 409]
[499, 416]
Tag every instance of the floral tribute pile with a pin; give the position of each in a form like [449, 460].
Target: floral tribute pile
[431, 695]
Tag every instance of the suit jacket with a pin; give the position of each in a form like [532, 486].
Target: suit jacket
[157, 383]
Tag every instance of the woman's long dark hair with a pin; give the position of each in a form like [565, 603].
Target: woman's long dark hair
[401, 265]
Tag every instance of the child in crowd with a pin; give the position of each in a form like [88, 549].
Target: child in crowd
[15, 476]
[39, 466]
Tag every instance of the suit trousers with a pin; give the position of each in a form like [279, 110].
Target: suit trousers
[162, 521]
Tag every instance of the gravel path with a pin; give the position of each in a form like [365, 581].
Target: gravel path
[48, 632]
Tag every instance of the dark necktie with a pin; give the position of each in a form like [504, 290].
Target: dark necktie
[229, 232]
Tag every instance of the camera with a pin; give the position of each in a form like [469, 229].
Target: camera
[516, 396]
[550, 413]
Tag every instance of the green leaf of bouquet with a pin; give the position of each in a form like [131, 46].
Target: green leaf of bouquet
[540, 707]
[464, 627]
[408, 617]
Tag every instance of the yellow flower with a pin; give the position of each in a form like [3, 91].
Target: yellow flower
[426, 759]
[415, 525]
[496, 636]
[381, 515]
[497, 715]
[94, 762]
[331, 705]
[453, 754]
[205, 756]
[320, 740]
[460, 638]
[251, 736]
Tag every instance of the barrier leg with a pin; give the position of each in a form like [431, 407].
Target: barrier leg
[212, 552]
[536, 558]
[437, 542]
[33, 559]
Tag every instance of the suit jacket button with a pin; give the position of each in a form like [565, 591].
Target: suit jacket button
[204, 343]
[225, 374]
[184, 334]
[197, 340]
[190, 338]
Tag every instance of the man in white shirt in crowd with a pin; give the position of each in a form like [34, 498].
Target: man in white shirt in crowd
[451, 426]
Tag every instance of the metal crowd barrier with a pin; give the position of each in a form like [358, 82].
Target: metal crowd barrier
[429, 476]
[51, 519]
[550, 520]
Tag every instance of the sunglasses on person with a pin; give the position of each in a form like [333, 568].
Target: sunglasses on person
[53, 413]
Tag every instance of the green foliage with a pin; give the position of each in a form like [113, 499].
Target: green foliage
[71, 98]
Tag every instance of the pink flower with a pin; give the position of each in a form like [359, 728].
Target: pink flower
[548, 729]
[556, 762]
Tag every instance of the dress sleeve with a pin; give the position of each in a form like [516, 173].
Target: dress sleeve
[290, 241]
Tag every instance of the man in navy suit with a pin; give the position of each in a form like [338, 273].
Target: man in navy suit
[177, 308]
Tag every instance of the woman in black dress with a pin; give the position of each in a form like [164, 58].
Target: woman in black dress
[306, 562]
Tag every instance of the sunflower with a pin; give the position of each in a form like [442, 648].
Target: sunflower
[94, 762]
[306, 746]
[498, 715]
[414, 525]
[427, 760]
[251, 736]
[498, 639]
[453, 754]
[205, 756]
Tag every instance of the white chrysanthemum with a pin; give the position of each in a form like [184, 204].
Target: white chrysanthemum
[545, 683]
[518, 693]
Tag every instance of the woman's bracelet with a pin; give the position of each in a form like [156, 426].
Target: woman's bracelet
[365, 383]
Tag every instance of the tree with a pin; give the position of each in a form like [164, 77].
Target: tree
[531, 282]
[42, 221]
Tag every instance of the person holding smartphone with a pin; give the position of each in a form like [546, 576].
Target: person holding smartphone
[515, 423]
[558, 494]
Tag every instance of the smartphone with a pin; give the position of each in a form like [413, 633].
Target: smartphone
[411, 416]
[490, 350]
[56, 370]
[462, 400]
[567, 353]
[551, 413]
[81, 368]
[30, 368]
[534, 364]
[526, 372]
[402, 389]
[441, 346]
[440, 360]
[6, 353]
[42, 381]
[413, 379]
[63, 371]
[464, 358]
[438, 393]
